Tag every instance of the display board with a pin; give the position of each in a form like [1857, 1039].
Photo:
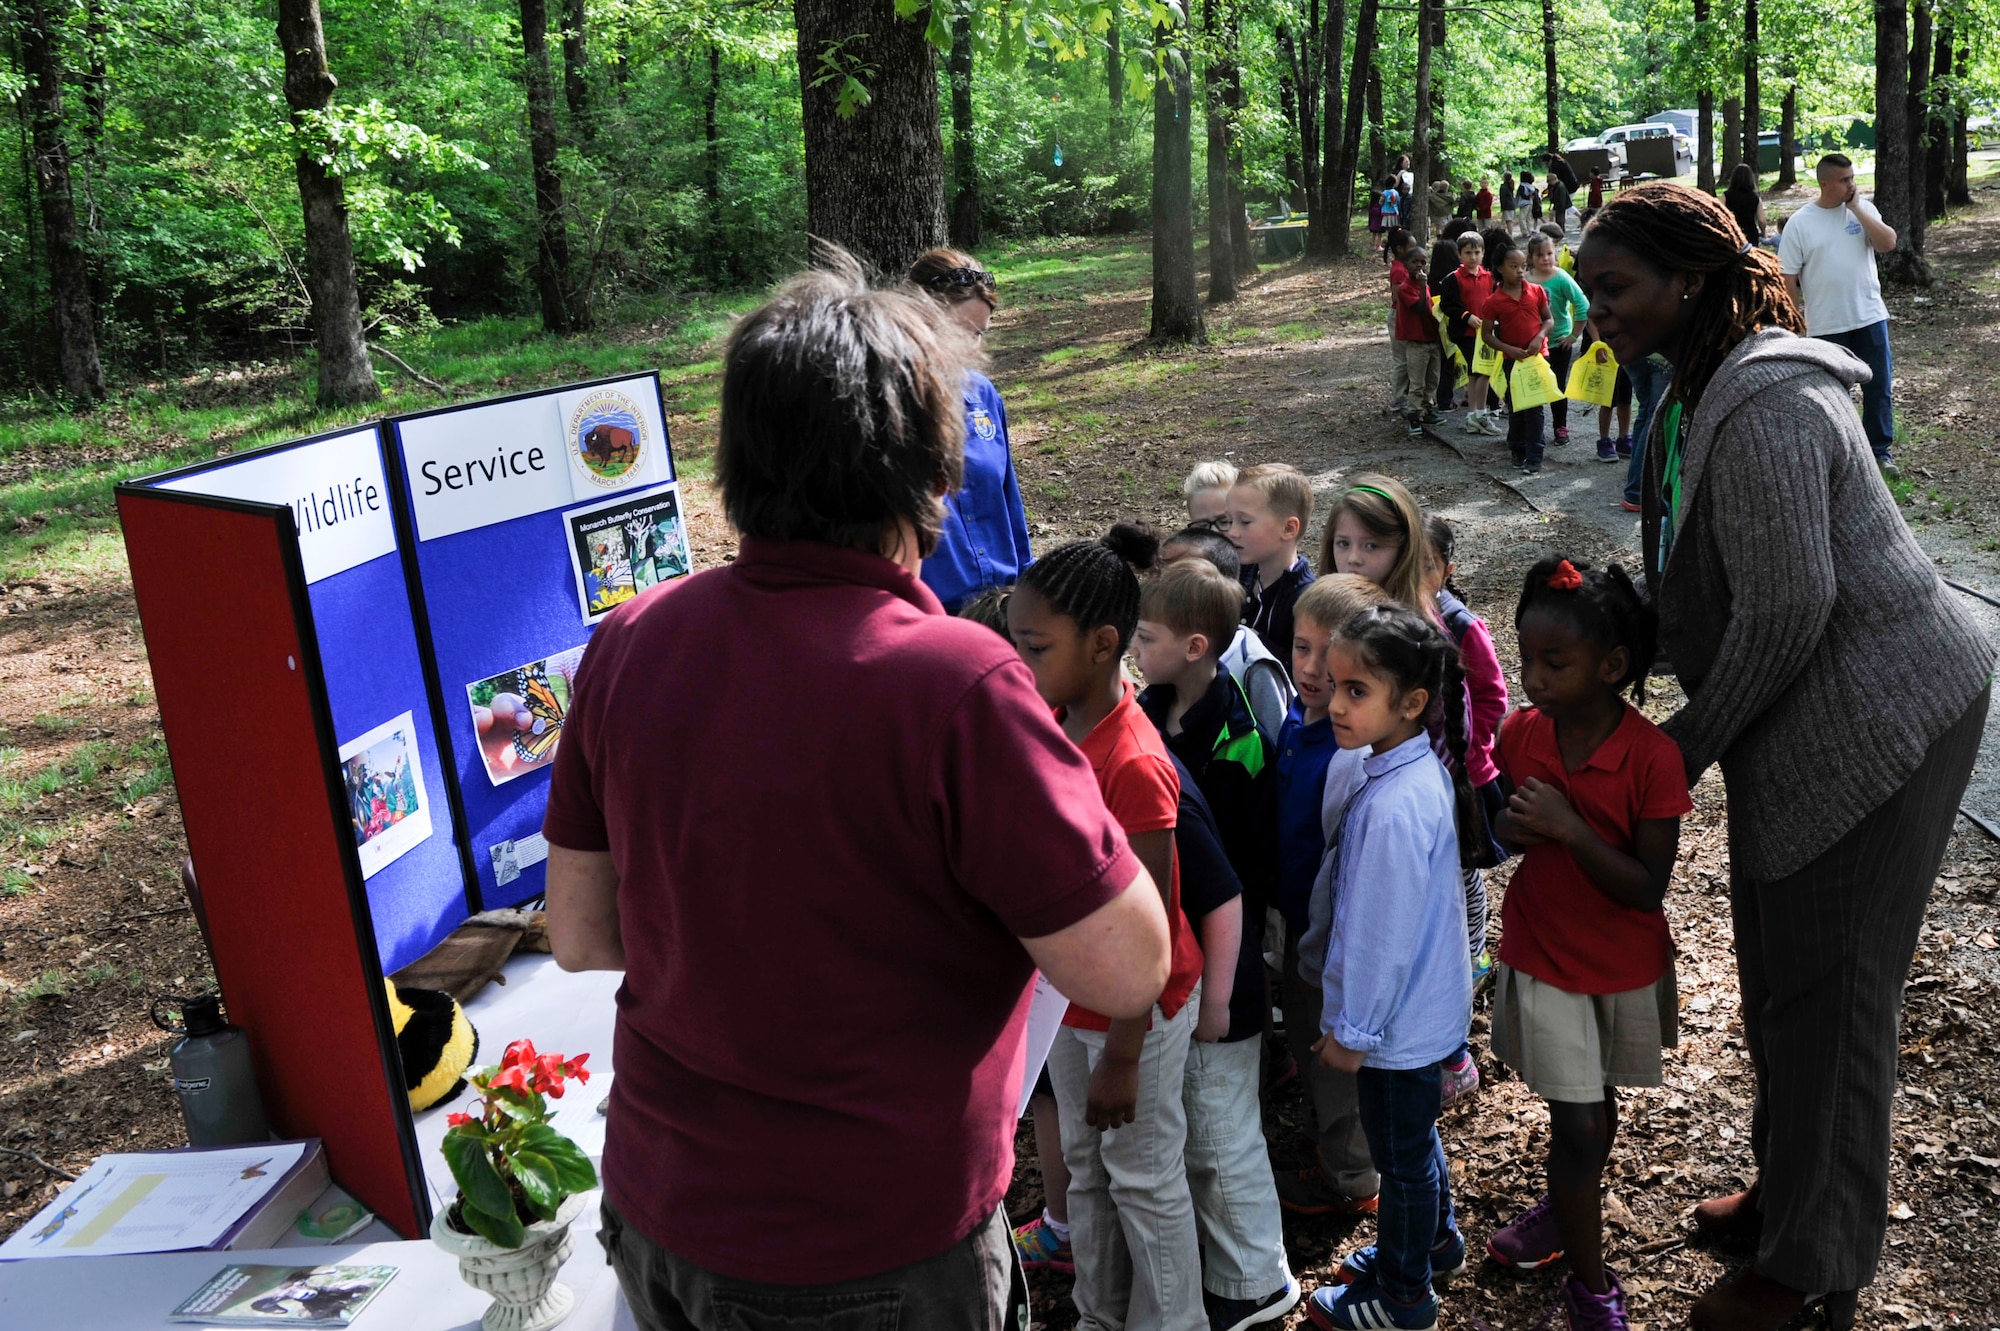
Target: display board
[405, 826]
[524, 521]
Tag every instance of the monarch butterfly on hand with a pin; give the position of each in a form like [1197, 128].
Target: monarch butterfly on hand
[539, 740]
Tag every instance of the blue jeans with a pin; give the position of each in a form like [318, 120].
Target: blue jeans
[1399, 1112]
[1649, 384]
[1877, 418]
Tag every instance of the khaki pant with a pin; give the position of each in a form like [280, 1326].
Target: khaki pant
[1343, 1145]
[1415, 376]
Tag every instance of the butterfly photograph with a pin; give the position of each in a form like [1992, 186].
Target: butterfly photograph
[518, 714]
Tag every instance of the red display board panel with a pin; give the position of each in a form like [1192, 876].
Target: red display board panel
[236, 668]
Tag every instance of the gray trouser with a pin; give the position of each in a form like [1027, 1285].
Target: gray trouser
[1822, 955]
[974, 1285]
[1229, 1173]
[1414, 373]
[1131, 1218]
[1343, 1146]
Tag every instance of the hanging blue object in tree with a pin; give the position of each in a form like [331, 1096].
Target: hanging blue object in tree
[1058, 154]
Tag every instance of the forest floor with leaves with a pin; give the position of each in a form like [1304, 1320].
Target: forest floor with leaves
[93, 924]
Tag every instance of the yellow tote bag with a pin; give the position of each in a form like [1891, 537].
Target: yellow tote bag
[1451, 351]
[1531, 383]
[1486, 358]
[1594, 377]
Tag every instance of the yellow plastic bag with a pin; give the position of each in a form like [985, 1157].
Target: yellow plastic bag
[1486, 358]
[1594, 377]
[1531, 383]
[1451, 352]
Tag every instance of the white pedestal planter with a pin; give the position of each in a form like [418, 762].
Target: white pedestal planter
[522, 1281]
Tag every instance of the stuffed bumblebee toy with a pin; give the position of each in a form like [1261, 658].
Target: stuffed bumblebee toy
[436, 1041]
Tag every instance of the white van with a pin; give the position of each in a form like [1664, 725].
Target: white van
[1623, 134]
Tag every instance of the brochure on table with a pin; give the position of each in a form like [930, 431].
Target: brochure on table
[390, 762]
[528, 518]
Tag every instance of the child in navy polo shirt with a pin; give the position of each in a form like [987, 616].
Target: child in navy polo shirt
[1187, 616]
[1311, 770]
[1269, 507]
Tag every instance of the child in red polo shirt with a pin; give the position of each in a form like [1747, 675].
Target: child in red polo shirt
[1584, 996]
[1071, 616]
[1518, 325]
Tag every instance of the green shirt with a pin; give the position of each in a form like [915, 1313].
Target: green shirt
[1567, 304]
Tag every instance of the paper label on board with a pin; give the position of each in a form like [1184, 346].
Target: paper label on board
[335, 489]
[388, 806]
[511, 857]
[624, 546]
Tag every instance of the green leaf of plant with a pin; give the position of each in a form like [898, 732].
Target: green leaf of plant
[505, 1230]
[539, 1183]
[573, 1169]
[478, 1180]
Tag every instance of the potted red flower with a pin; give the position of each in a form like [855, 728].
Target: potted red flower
[519, 1186]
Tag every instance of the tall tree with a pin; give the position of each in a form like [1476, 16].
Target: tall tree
[1332, 39]
[964, 164]
[1937, 156]
[1732, 135]
[77, 361]
[1551, 90]
[1378, 125]
[1301, 121]
[345, 373]
[1704, 100]
[1340, 181]
[563, 311]
[722, 262]
[1788, 133]
[1421, 168]
[576, 66]
[1232, 101]
[1919, 120]
[1959, 191]
[1753, 113]
[1176, 294]
[874, 154]
[1892, 130]
[1221, 247]
[1114, 61]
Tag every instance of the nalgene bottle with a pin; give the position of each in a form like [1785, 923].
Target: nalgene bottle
[213, 1077]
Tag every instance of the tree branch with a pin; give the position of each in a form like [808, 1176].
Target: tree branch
[30, 1155]
[406, 368]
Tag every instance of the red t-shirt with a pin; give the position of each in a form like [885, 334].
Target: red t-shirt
[1415, 321]
[1556, 925]
[833, 811]
[1482, 204]
[1143, 792]
[1517, 320]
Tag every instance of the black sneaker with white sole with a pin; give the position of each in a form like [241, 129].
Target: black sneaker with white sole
[1240, 1314]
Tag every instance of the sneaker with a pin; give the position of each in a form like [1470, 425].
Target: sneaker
[1041, 1250]
[1624, 445]
[1496, 424]
[1606, 451]
[1447, 1262]
[1594, 1312]
[1363, 1306]
[1629, 506]
[1890, 471]
[1415, 424]
[1518, 459]
[1239, 1314]
[1530, 1241]
[1531, 468]
[1482, 970]
[1474, 422]
[1306, 1192]
[1462, 1080]
[1562, 436]
[1432, 417]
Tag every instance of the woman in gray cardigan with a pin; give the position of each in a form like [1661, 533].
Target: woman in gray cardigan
[1841, 687]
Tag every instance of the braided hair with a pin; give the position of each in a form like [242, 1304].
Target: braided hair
[1097, 582]
[1444, 547]
[1602, 605]
[1411, 652]
[1675, 229]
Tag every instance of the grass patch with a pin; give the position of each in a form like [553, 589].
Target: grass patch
[55, 724]
[49, 984]
[1297, 332]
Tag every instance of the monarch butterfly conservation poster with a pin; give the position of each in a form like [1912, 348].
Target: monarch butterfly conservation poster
[518, 714]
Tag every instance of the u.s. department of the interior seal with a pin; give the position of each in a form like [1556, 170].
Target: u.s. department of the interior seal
[608, 438]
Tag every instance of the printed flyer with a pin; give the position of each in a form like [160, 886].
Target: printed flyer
[518, 714]
[620, 548]
[384, 776]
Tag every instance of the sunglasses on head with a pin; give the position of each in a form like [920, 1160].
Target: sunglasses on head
[961, 277]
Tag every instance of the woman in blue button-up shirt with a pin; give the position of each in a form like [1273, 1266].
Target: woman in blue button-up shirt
[985, 538]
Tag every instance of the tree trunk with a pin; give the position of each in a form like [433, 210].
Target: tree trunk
[1221, 248]
[875, 178]
[1788, 132]
[575, 67]
[1340, 182]
[1753, 113]
[1378, 135]
[1440, 158]
[1919, 120]
[1704, 100]
[721, 262]
[1960, 189]
[1419, 203]
[1892, 131]
[1551, 91]
[1325, 203]
[1297, 152]
[1232, 100]
[1114, 63]
[1937, 156]
[1732, 135]
[561, 312]
[964, 164]
[1176, 293]
[81, 372]
[345, 372]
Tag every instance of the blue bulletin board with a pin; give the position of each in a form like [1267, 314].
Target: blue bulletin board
[406, 821]
[523, 521]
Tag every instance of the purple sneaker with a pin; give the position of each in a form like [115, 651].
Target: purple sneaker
[1530, 1242]
[1594, 1312]
[1460, 1078]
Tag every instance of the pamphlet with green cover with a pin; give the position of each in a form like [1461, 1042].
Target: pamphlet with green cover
[284, 1295]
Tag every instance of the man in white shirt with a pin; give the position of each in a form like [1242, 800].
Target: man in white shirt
[1828, 254]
